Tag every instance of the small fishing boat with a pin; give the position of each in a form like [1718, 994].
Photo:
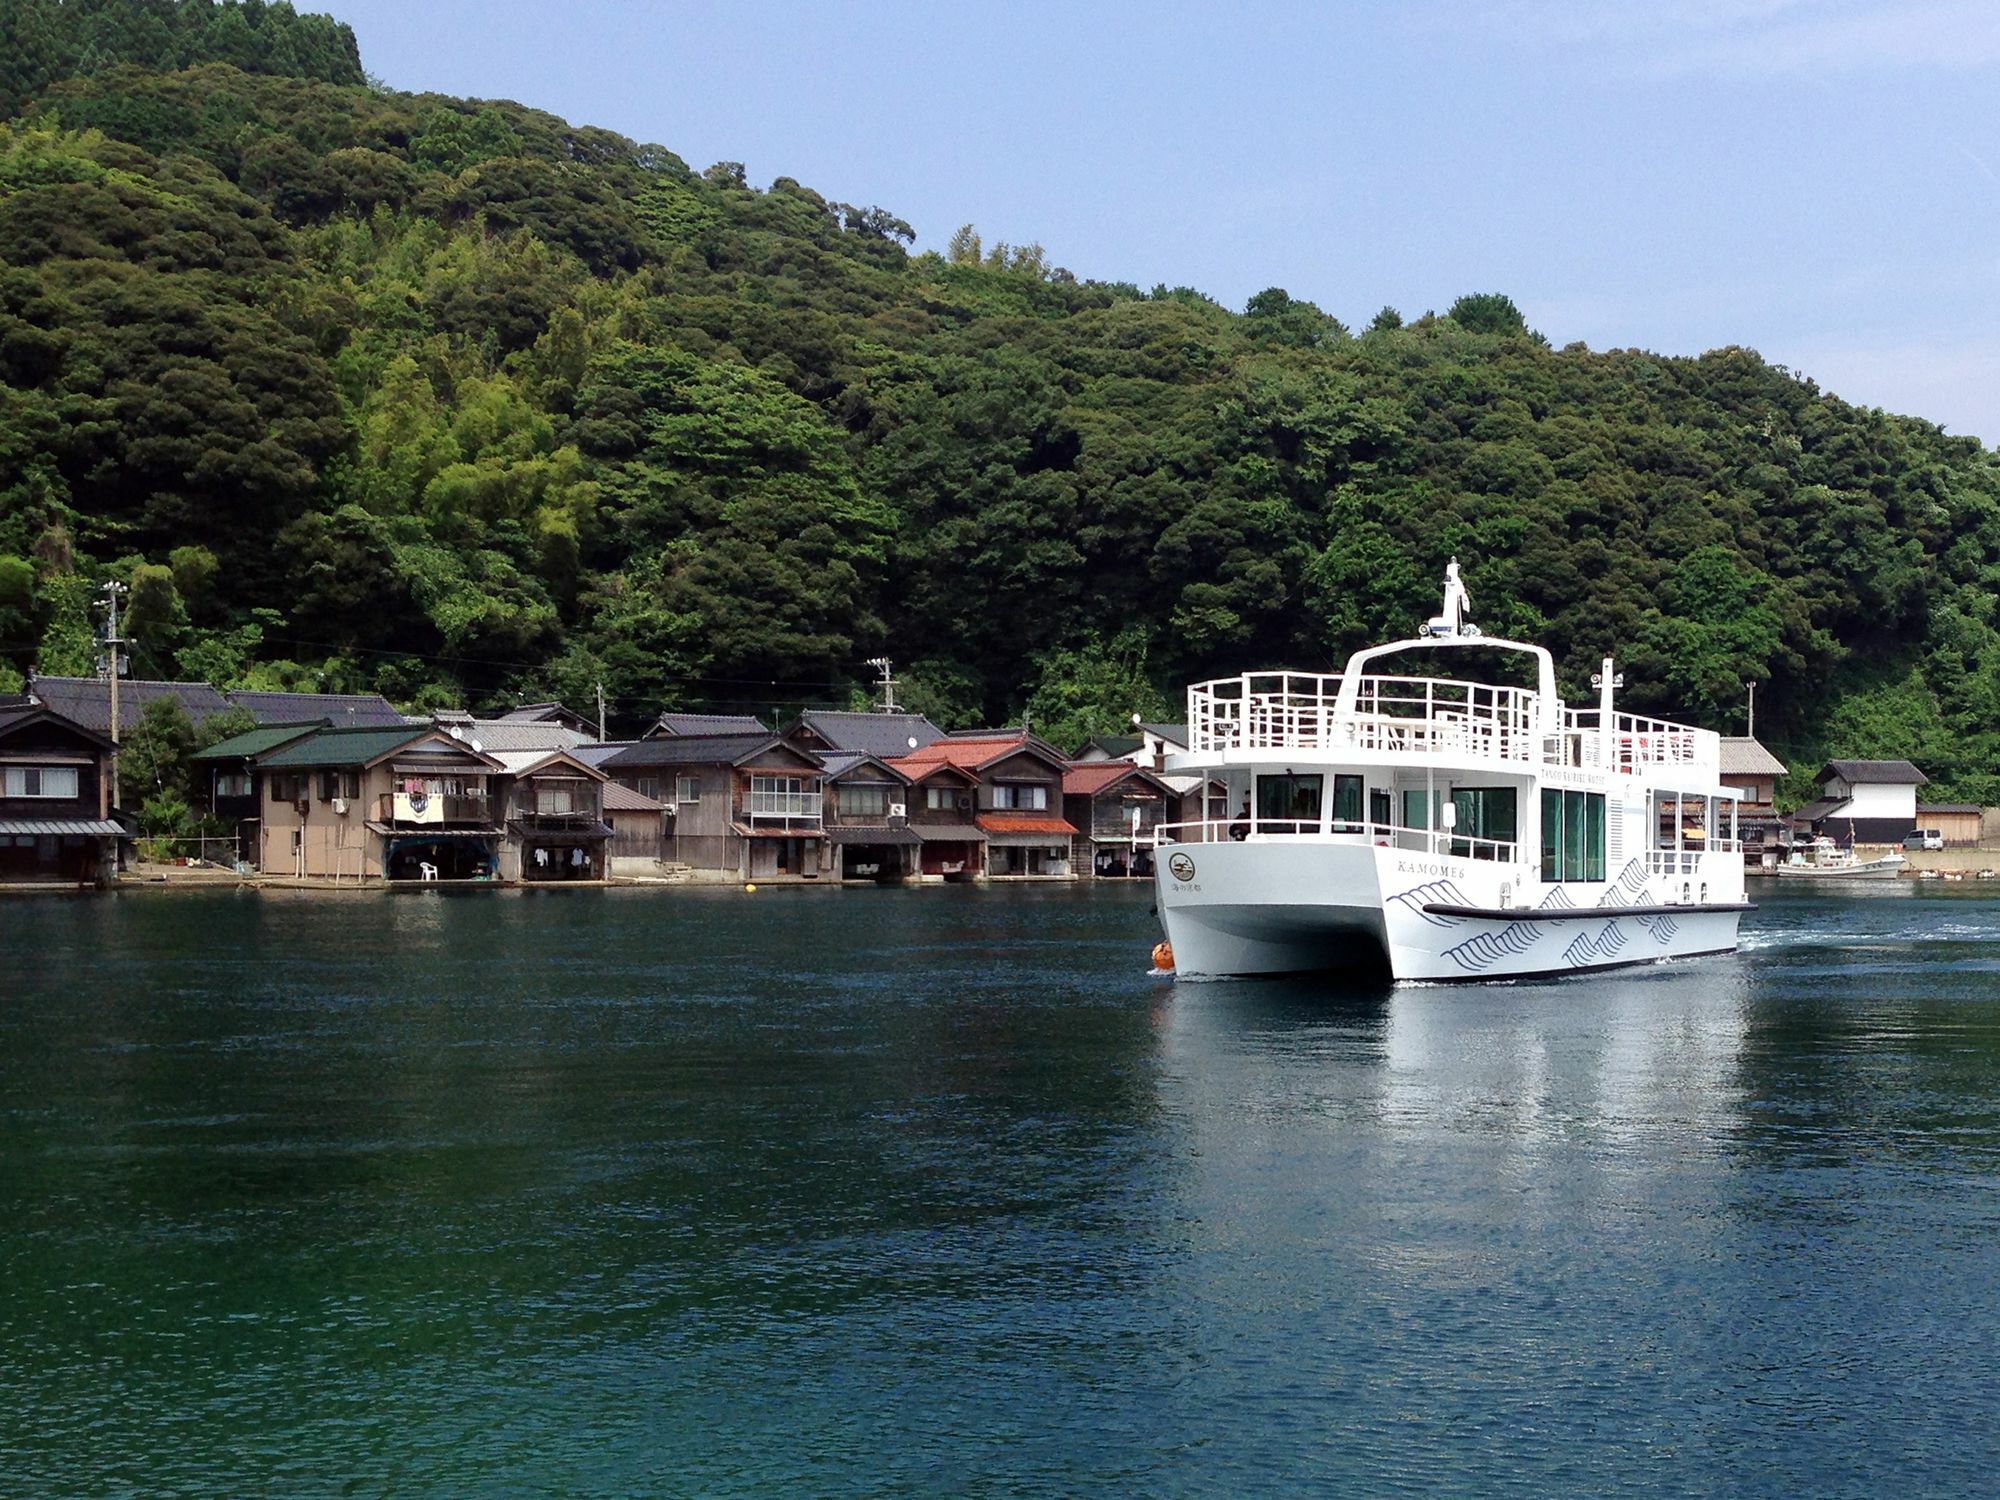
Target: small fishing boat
[1823, 859]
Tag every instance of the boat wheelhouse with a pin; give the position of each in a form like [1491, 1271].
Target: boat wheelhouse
[1440, 827]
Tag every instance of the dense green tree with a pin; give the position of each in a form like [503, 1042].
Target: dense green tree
[460, 401]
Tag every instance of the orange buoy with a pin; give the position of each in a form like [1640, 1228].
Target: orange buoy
[1163, 957]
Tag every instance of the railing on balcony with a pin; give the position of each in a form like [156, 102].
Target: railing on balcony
[1386, 835]
[771, 805]
[432, 809]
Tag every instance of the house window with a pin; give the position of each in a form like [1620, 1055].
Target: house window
[339, 784]
[942, 798]
[646, 786]
[554, 797]
[233, 784]
[41, 781]
[1021, 796]
[863, 799]
[688, 789]
[290, 787]
[1572, 836]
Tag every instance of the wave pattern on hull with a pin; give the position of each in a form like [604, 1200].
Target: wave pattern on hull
[1630, 882]
[1479, 953]
[1440, 892]
[1586, 948]
[1662, 928]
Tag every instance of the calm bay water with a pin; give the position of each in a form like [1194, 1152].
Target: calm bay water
[936, 1191]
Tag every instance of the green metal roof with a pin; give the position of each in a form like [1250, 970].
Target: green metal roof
[256, 741]
[342, 747]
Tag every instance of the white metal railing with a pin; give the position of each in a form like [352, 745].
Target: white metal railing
[792, 806]
[1388, 835]
[1431, 716]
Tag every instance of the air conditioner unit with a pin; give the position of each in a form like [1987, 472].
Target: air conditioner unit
[340, 807]
[899, 810]
[965, 804]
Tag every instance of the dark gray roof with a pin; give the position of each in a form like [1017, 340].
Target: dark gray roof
[839, 762]
[1176, 733]
[1891, 772]
[341, 710]
[1825, 807]
[692, 750]
[1947, 807]
[87, 700]
[673, 724]
[885, 735]
[596, 753]
[14, 715]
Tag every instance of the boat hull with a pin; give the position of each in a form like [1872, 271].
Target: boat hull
[1361, 910]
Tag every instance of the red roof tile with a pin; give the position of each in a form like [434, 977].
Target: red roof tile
[1025, 822]
[1092, 777]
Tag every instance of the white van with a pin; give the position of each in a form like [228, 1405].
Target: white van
[1923, 838]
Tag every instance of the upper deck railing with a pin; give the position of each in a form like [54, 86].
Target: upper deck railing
[1297, 712]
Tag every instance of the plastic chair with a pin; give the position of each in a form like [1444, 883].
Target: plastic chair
[429, 871]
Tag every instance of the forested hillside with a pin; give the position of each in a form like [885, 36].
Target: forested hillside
[457, 401]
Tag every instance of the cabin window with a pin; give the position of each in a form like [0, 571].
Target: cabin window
[1483, 816]
[863, 799]
[1572, 836]
[1416, 809]
[41, 781]
[1021, 796]
[1347, 804]
[1289, 803]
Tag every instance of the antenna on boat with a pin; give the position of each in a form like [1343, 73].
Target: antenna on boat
[1451, 620]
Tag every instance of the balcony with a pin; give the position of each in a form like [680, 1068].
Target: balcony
[432, 809]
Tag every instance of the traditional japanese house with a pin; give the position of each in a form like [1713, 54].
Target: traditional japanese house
[55, 800]
[1754, 771]
[868, 830]
[394, 804]
[638, 829]
[750, 806]
[1115, 807]
[555, 822]
[1014, 800]
[551, 713]
[1862, 801]
[226, 784]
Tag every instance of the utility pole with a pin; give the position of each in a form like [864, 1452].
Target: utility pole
[600, 710]
[113, 661]
[1751, 731]
[887, 684]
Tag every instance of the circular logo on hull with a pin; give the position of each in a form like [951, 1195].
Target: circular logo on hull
[1181, 867]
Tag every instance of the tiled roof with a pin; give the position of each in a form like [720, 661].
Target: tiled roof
[1176, 734]
[256, 741]
[691, 750]
[1114, 746]
[1743, 756]
[87, 700]
[839, 762]
[63, 827]
[1026, 822]
[678, 724]
[15, 715]
[341, 710]
[884, 735]
[1092, 777]
[526, 762]
[342, 747]
[1947, 807]
[597, 752]
[495, 735]
[968, 753]
[1880, 772]
[623, 799]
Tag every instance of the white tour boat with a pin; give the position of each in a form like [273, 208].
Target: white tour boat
[1440, 828]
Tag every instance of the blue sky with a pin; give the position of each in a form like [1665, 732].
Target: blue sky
[1815, 179]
